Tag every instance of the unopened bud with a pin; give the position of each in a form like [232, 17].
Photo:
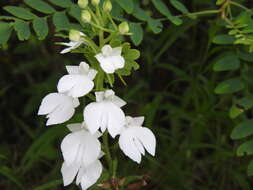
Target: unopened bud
[86, 16]
[74, 35]
[107, 6]
[82, 3]
[124, 28]
[95, 2]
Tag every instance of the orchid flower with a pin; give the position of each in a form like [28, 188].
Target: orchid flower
[78, 82]
[73, 44]
[58, 107]
[110, 59]
[81, 151]
[134, 139]
[105, 113]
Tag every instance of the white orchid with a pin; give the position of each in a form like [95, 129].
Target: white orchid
[81, 151]
[105, 113]
[134, 139]
[58, 107]
[78, 82]
[73, 44]
[110, 59]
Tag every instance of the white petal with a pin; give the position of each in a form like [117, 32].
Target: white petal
[99, 96]
[107, 50]
[93, 115]
[69, 172]
[90, 175]
[75, 85]
[116, 119]
[105, 64]
[70, 147]
[66, 50]
[84, 68]
[137, 121]
[75, 127]
[91, 149]
[49, 103]
[139, 146]
[128, 146]
[117, 51]
[147, 138]
[76, 102]
[117, 61]
[73, 70]
[118, 101]
[61, 114]
[92, 74]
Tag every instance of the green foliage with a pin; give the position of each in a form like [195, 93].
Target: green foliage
[23, 30]
[40, 6]
[229, 86]
[40, 27]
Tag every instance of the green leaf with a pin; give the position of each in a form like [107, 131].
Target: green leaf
[245, 56]
[127, 5]
[227, 63]
[229, 86]
[137, 33]
[235, 111]
[132, 54]
[62, 3]
[179, 6]
[8, 173]
[250, 168]
[155, 25]
[40, 6]
[140, 14]
[23, 30]
[223, 39]
[5, 32]
[40, 27]
[20, 12]
[49, 185]
[245, 148]
[163, 9]
[240, 106]
[61, 21]
[75, 11]
[242, 130]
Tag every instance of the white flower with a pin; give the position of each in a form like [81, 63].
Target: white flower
[105, 113]
[86, 175]
[81, 151]
[78, 82]
[73, 44]
[80, 146]
[135, 139]
[58, 107]
[110, 59]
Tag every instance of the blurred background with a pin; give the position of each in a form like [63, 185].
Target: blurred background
[173, 89]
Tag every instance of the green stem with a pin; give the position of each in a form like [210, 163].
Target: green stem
[108, 156]
[239, 5]
[111, 20]
[100, 27]
[207, 12]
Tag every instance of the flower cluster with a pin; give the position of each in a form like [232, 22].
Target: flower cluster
[81, 148]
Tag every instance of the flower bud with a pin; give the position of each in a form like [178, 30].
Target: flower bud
[82, 3]
[124, 28]
[95, 2]
[86, 16]
[74, 35]
[107, 6]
